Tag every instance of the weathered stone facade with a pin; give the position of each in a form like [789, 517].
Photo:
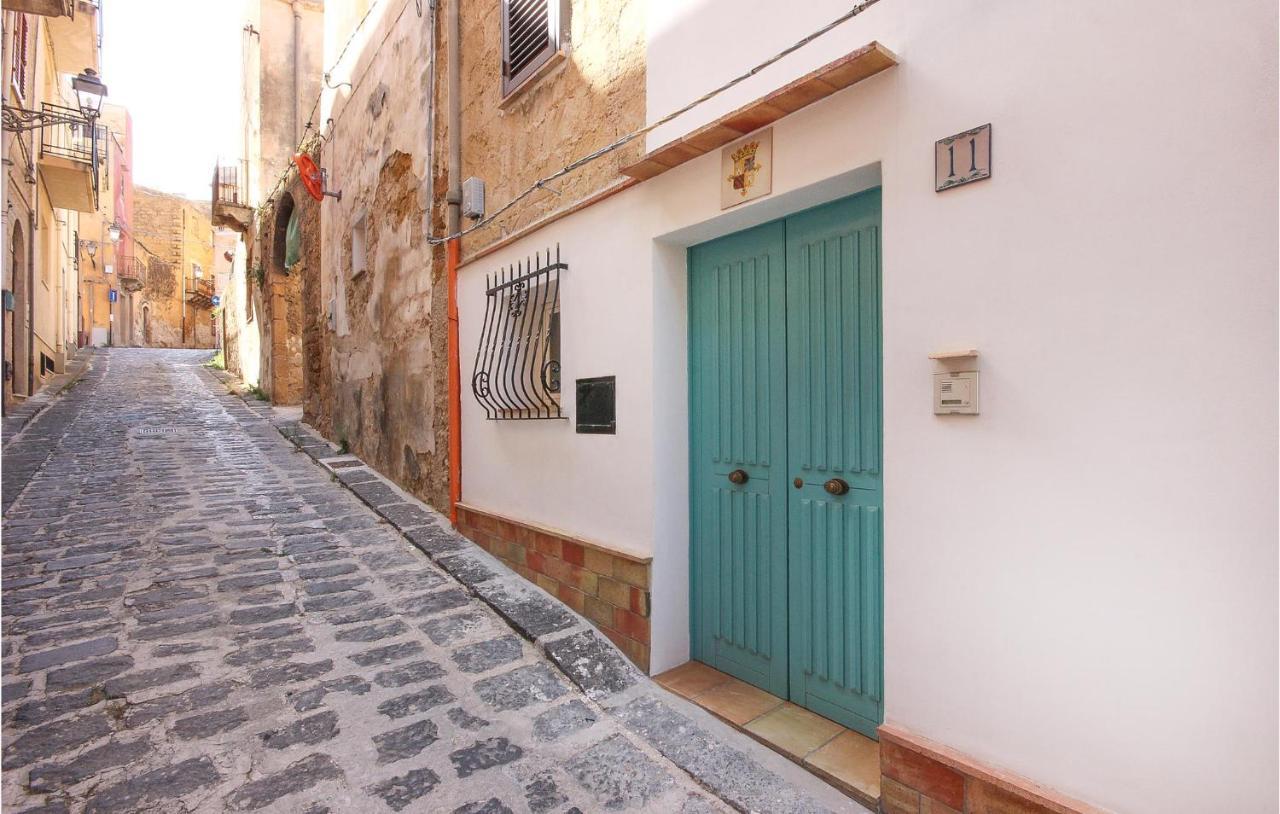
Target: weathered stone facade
[387, 358]
[242, 340]
[281, 294]
[591, 97]
[177, 238]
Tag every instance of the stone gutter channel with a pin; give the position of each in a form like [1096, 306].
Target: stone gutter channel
[743, 774]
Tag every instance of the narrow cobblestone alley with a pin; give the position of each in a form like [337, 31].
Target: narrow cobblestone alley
[198, 617]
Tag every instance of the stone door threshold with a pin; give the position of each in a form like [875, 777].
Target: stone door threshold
[843, 758]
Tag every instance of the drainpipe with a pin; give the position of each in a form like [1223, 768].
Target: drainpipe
[453, 251]
[31, 283]
[182, 274]
[297, 72]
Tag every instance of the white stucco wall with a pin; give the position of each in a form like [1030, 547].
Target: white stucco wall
[1080, 582]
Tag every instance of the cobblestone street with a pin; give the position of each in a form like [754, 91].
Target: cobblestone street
[199, 616]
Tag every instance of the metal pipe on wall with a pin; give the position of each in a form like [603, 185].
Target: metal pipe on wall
[453, 251]
[297, 72]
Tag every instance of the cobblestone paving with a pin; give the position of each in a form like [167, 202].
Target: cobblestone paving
[198, 618]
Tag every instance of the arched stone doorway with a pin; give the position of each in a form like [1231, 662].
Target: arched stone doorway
[294, 228]
[146, 325]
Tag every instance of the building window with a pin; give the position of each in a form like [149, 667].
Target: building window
[517, 366]
[532, 32]
[359, 238]
[18, 53]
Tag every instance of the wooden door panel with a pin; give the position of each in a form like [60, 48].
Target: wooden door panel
[834, 425]
[737, 383]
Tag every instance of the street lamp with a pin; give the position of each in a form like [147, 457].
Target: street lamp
[90, 248]
[113, 232]
[89, 92]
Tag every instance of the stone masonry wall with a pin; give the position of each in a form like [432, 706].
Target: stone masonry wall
[174, 233]
[593, 96]
[284, 360]
[387, 349]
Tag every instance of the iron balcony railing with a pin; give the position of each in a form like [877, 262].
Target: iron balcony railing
[231, 183]
[73, 137]
[200, 291]
[132, 272]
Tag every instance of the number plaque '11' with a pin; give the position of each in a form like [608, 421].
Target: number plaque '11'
[962, 158]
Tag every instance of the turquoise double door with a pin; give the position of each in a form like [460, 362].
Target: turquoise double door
[785, 439]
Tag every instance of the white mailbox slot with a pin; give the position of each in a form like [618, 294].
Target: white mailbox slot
[955, 393]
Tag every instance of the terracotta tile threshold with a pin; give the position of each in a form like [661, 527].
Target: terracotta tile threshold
[846, 759]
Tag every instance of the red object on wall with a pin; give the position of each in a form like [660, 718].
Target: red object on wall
[311, 176]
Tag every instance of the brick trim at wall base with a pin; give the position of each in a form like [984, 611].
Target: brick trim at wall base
[609, 588]
[919, 776]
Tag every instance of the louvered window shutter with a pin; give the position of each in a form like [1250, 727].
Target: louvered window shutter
[18, 68]
[530, 35]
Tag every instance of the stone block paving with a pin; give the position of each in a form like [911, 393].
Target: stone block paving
[198, 618]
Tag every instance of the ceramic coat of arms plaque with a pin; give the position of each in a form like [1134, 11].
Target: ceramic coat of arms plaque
[746, 169]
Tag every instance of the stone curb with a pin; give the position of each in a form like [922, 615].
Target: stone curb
[583, 654]
[21, 416]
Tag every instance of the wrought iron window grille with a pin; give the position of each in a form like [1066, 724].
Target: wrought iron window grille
[517, 368]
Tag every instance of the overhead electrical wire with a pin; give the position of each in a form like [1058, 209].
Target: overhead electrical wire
[306, 139]
[635, 134]
[616, 144]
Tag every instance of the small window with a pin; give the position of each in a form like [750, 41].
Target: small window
[531, 35]
[517, 366]
[359, 238]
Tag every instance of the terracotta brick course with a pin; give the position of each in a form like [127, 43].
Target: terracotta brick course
[610, 589]
[631, 625]
[632, 573]
[928, 805]
[922, 773]
[640, 602]
[598, 561]
[918, 776]
[600, 612]
[546, 544]
[985, 798]
[536, 561]
[896, 798]
[572, 597]
[574, 553]
[614, 592]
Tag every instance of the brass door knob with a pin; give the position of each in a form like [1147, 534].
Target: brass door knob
[798, 482]
[836, 486]
[739, 476]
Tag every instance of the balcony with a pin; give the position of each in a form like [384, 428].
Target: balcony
[200, 292]
[231, 207]
[45, 8]
[75, 36]
[132, 272]
[67, 160]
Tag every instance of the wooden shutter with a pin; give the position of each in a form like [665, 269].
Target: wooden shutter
[18, 66]
[530, 35]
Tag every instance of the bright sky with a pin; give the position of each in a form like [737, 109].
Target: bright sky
[175, 64]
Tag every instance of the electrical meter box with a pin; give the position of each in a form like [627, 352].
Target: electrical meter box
[955, 393]
[473, 198]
